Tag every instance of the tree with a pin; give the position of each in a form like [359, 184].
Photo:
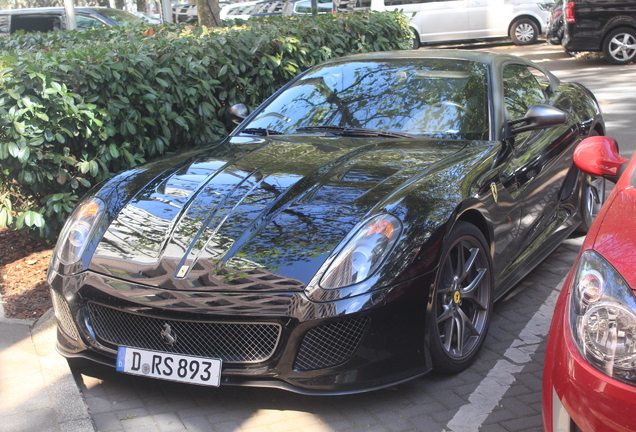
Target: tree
[209, 13]
[142, 6]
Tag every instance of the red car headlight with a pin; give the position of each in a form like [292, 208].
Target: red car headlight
[603, 317]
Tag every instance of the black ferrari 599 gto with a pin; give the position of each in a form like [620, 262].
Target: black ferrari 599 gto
[353, 232]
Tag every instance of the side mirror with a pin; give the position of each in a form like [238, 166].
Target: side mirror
[598, 156]
[538, 117]
[236, 114]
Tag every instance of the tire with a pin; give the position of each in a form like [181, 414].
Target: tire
[524, 31]
[619, 46]
[462, 300]
[592, 198]
[415, 40]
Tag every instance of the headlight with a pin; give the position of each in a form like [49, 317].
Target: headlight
[363, 253]
[603, 318]
[78, 231]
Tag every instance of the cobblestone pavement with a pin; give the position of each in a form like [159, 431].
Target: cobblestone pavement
[501, 391]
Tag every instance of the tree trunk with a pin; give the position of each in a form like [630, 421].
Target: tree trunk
[208, 11]
[142, 6]
[120, 4]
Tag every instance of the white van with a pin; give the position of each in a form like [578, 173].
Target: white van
[454, 20]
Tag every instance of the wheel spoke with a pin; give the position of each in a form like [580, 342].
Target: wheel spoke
[467, 324]
[445, 315]
[448, 333]
[459, 264]
[468, 265]
[446, 289]
[470, 292]
[459, 322]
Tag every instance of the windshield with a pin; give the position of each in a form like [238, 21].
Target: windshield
[441, 98]
[120, 17]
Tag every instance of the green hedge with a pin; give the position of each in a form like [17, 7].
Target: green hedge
[77, 107]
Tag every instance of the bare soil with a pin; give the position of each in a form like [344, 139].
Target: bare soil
[23, 265]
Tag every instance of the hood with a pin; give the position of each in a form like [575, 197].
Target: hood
[257, 214]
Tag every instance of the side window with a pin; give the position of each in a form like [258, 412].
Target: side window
[543, 80]
[5, 21]
[36, 22]
[84, 22]
[404, 2]
[521, 90]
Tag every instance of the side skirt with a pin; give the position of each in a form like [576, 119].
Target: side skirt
[554, 234]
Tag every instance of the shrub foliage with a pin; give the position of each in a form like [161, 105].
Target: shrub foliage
[77, 107]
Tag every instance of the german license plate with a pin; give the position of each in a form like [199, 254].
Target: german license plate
[172, 367]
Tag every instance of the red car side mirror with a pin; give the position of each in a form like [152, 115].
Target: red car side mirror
[598, 156]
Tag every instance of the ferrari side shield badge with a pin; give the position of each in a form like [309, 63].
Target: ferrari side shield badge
[495, 192]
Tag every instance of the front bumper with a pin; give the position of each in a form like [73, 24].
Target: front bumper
[576, 396]
[345, 346]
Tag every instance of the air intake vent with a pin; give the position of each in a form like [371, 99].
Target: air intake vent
[331, 344]
[63, 314]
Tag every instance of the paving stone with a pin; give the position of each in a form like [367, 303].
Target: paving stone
[147, 428]
[426, 423]
[228, 426]
[169, 422]
[499, 415]
[493, 428]
[416, 411]
[197, 424]
[134, 418]
[524, 424]
[107, 422]
[360, 417]
[518, 407]
[394, 421]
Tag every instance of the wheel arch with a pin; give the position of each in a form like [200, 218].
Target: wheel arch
[475, 217]
[536, 20]
[615, 24]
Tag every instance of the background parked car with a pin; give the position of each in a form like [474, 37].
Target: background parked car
[601, 25]
[590, 369]
[442, 21]
[186, 13]
[238, 10]
[289, 7]
[303, 7]
[148, 17]
[555, 25]
[54, 18]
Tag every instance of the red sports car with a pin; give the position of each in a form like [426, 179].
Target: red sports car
[589, 381]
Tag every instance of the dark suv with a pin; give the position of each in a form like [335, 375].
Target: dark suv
[601, 25]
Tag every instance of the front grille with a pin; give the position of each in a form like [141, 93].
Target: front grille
[330, 344]
[63, 314]
[231, 342]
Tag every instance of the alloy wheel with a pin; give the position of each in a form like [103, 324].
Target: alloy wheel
[622, 47]
[463, 298]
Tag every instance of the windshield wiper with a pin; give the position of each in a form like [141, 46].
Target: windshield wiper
[351, 131]
[261, 131]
